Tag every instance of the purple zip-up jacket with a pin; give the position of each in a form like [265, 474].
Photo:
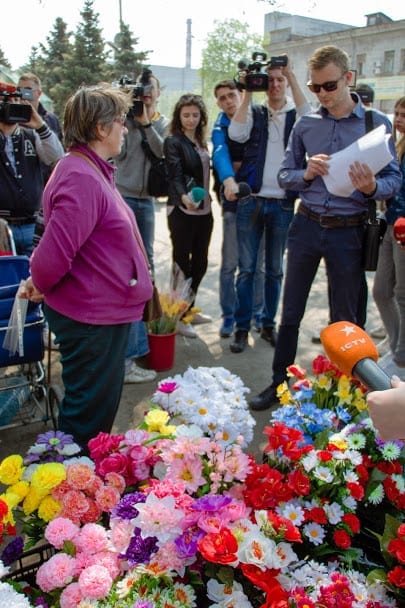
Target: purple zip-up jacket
[89, 263]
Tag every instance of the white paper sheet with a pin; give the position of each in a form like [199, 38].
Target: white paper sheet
[371, 149]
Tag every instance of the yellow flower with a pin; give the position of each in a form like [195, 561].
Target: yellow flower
[282, 389]
[49, 508]
[170, 429]
[155, 419]
[324, 382]
[187, 318]
[11, 469]
[20, 489]
[343, 390]
[47, 476]
[31, 501]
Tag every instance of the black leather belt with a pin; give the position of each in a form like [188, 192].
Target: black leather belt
[20, 221]
[333, 221]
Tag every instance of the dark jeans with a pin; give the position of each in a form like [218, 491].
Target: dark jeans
[92, 358]
[190, 236]
[307, 244]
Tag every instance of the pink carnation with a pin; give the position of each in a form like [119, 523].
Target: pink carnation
[116, 481]
[107, 497]
[60, 530]
[117, 463]
[92, 539]
[121, 533]
[102, 445]
[74, 503]
[79, 476]
[71, 596]
[95, 582]
[109, 560]
[56, 572]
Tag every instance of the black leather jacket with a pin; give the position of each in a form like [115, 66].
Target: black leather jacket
[184, 167]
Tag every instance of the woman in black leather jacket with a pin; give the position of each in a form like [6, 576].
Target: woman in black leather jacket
[188, 165]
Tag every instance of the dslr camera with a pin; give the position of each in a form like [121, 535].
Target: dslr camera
[139, 90]
[256, 78]
[11, 112]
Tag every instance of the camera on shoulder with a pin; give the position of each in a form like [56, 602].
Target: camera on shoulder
[255, 75]
[10, 111]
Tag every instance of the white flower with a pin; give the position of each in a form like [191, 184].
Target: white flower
[334, 512]
[324, 474]
[290, 510]
[11, 598]
[314, 532]
[258, 550]
[310, 461]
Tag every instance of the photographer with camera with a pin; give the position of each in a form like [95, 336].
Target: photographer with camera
[264, 130]
[26, 141]
[144, 123]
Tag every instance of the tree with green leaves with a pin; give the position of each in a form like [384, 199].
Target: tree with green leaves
[126, 60]
[87, 63]
[230, 41]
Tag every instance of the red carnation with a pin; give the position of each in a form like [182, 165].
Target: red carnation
[324, 456]
[220, 547]
[342, 539]
[397, 547]
[352, 521]
[317, 515]
[355, 490]
[299, 482]
[397, 577]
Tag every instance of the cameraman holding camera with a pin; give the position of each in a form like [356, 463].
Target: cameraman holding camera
[264, 130]
[25, 142]
[133, 166]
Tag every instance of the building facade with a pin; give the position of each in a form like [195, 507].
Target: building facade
[376, 51]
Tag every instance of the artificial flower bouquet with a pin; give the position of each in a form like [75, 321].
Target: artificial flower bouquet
[193, 522]
[175, 303]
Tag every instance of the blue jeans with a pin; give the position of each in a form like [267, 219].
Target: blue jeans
[144, 211]
[229, 264]
[307, 244]
[256, 217]
[23, 238]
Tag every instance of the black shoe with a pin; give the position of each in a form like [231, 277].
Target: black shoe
[240, 341]
[269, 334]
[264, 400]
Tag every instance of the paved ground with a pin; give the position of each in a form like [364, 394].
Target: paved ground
[253, 365]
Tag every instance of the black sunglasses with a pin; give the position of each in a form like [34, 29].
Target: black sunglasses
[329, 86]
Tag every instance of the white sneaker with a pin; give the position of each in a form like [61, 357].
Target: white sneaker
[199, 318]
[378, 332]
[186, 329]
[137, 375]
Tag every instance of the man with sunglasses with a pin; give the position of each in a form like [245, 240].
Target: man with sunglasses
[325, 225]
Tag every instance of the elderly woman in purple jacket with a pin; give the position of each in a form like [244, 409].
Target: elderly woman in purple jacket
[90, 265]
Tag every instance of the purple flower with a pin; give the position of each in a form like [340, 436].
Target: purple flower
[143, 604]
[140, 549]
[211, 502]
[125, 508]
[187, 543]
[13, 551]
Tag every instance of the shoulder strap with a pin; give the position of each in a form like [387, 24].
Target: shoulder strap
[372, 205]
[368, 116]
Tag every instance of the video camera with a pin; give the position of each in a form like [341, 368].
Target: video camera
[256, 78]
[11, 113]
[139, 89]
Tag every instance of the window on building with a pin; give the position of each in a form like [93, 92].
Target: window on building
[361, 64]
[402, 61]
[389, 57]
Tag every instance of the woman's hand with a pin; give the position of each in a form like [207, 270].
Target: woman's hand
[30, 292]
[187, 202]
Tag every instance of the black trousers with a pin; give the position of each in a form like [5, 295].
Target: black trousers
[190, 236]
[92, 358]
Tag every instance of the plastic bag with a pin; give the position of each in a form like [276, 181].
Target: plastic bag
[14, 338]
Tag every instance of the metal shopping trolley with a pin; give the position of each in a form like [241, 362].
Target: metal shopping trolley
[26, 394]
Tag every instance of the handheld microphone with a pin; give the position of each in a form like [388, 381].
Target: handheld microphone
[244, 190]
[355, 354]
[399, 230]
[197, 194]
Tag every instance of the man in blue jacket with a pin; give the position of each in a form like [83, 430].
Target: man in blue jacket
[264, 130]
[226, 159]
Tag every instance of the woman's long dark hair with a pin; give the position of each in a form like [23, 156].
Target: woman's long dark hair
[190, 100]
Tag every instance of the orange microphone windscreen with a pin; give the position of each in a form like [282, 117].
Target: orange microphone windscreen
[346, 344]
[399, 230]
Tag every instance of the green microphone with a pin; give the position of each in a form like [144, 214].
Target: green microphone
[196, 195]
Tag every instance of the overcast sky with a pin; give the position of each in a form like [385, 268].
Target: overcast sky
[162, 27]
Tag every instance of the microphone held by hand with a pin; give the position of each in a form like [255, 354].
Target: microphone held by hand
[399, 230]
[196, 194]
[244, 190]
[355, 354]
